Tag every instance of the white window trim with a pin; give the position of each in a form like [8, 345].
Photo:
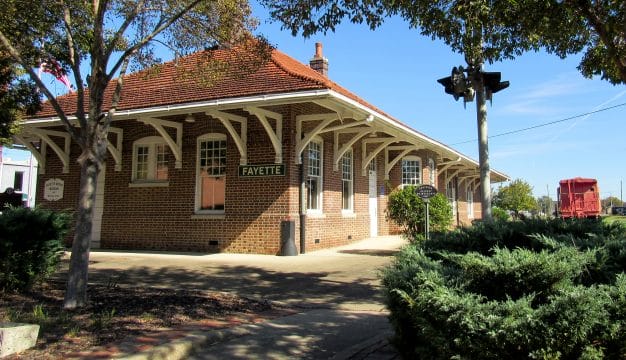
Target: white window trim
[316, 212]
[350, 210]
[470, 204]
[432, 177]
[151, 142]
[198, 200]
[454, 202]
[419, 170]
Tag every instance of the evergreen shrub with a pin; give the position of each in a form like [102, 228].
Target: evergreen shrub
[30, 246]
[549, 289]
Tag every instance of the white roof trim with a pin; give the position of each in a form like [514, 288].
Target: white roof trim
[271, 98]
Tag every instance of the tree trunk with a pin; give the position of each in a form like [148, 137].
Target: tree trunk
[483, 144]
[76, 291]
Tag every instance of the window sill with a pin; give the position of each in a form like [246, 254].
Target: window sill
[199, 216]
[140, 184]
[315, 215]
[348, 214]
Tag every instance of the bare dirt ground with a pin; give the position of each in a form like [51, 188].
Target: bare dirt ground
[121, 320]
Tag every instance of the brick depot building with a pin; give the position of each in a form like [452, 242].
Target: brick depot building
[218, 167]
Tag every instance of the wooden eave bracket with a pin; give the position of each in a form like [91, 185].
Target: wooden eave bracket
[468, 179]
[366, 158]
[302, 142]
[41, 159]
[116, 150]
[176, 146]
[443, 166]
[241, 139]
[62, 153]
[341, 111]
[406, 149]
[276, 136]
[477, 185]
[450, 177]
[339, 152]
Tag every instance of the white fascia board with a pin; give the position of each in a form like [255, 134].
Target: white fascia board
[199, 106]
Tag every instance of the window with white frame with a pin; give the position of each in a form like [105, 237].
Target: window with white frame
[432, 172]
[211, 174]
[347, 193]
[411, 171]
[451, 195]
[314, 175]
[470, 202]
[150, 160]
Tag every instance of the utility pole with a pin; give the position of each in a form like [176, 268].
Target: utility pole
[482, 85]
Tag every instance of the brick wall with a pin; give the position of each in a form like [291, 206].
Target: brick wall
[163, 217]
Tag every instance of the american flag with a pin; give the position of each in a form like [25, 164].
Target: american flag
[52, 67]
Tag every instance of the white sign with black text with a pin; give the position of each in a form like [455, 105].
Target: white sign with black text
[53, 189]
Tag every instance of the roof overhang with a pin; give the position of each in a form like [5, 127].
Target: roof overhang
[380, 121]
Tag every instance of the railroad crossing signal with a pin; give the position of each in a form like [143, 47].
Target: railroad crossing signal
[459, 85]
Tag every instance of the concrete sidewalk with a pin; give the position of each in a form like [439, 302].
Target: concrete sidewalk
[315, 334]
[337, 291]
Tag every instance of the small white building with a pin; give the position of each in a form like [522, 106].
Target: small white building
[21, 175]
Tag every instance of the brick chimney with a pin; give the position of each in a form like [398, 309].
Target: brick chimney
[319, 63]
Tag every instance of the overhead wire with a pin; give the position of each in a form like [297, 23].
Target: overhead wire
[545, 124]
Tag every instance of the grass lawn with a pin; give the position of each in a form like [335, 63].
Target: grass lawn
[614, 218]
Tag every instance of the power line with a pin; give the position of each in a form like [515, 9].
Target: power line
[545, 124]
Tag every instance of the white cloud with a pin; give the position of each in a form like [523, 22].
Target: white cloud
[563, 85]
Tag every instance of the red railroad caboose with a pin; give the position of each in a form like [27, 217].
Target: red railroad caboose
[579, 197]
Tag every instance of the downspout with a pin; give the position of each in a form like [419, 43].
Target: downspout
[302, 210]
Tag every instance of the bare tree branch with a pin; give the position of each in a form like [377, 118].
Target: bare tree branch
[120, 32]
[74, 59]
[158, 29]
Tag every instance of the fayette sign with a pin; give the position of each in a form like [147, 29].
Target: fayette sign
[261, 170]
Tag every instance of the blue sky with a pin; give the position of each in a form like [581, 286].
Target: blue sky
[395, 69]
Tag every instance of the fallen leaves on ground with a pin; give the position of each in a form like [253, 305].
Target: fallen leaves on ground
[116, 314]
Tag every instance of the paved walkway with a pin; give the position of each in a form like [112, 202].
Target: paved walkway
[337, 290]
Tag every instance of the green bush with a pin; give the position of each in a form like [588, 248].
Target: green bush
[549, 289]
[408, 210]
[499, 214]
[30, 246]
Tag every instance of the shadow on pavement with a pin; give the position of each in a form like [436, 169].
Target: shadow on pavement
[306, 289]
[318, 334]
[371, 252]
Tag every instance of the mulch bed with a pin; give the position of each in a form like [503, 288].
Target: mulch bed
[125, 319]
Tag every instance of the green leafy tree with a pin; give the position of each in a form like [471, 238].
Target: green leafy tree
[95, 42]
[484, 31]
[611, 201]
[595, 28]
[408, 210]
[18, 94]
[605, 52]
[545, 204]
[18, 97]
[516, 197]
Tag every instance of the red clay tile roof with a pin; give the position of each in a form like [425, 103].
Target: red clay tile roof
[169, 85]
